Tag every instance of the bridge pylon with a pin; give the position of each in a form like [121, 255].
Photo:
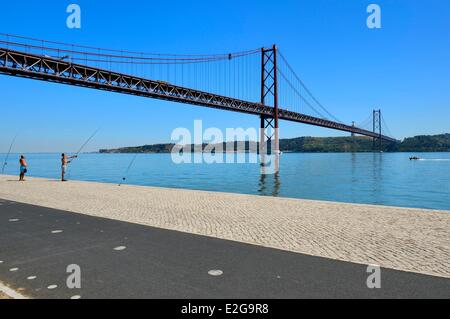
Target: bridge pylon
[269, 130]
[377, 141]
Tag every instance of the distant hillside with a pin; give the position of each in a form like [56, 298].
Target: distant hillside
[328, 144]
[167, 148]
[434, 143]
[425, 143]
[157, 148]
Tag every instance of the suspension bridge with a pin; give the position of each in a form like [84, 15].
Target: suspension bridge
[260, 82]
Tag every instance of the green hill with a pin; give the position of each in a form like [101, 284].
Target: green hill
[425, 143]
[328, 144]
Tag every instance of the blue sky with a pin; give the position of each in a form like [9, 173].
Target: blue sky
[403, 68]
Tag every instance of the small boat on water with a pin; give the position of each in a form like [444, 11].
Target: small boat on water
[414, 158]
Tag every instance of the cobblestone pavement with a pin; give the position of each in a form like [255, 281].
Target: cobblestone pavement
[3, 296]
[415, 240]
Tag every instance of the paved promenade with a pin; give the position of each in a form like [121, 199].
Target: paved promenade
[413, 240]
[3, 296]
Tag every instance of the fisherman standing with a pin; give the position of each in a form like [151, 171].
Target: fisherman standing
[23, 168]
[65, 160]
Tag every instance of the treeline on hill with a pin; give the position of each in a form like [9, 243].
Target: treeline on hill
[426, 143]
[328, 144]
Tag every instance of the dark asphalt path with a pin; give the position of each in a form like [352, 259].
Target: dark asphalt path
[161, 263]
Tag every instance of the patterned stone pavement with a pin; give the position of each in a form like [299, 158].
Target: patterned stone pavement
[414, 240]
[3, 296]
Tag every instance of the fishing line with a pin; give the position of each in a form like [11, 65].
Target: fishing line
[88, 140]
[83, 146]
[7, 155]
[124, 178]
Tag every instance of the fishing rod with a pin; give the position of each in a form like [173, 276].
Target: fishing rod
[83, 146]
[124, 178]
[7, 155]
[86, 143]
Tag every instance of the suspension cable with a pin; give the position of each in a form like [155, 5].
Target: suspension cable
[135, 56]
[306, 88]
[300, 95]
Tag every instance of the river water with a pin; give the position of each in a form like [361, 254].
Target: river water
[368, 178]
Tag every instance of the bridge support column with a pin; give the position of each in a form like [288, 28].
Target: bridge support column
[269, 145]
[377, 141]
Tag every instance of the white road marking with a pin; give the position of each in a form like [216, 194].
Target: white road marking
[119, 248]
[75, 297]
[14, 269]
[52, 287]
[57, 231]
[11, 293]
[31, 277]
[12, 220]
[215, 272]
[1, 261]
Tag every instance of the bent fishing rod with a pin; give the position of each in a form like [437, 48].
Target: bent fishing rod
[83, 146]
[7, 155]
[86, 143]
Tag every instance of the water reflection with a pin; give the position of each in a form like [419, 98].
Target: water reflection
[269, 185]
[377, 167]
[353, 165]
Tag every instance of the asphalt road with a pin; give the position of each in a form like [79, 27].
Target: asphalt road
[37, 244]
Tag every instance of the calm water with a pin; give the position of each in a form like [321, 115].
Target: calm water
[372, 178]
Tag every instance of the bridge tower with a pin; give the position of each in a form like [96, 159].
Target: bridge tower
[377, 141]
[269, 138]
